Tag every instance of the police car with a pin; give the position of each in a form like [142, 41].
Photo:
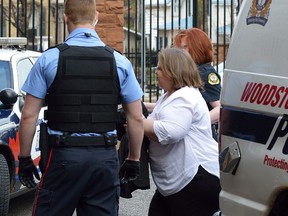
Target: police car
[254, 113]
[15, 64]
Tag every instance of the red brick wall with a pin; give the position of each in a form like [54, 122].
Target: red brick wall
[111, 22]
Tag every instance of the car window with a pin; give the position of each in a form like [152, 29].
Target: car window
[35, 58]
[5, 75]
[23, 68]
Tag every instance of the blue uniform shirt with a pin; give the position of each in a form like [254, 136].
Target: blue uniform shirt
[44, 70]
[212, 84]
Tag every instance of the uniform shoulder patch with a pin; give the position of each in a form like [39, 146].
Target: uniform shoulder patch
[213, 79]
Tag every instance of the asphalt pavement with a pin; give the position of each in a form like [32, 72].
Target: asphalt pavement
[136, 206]
[139, 203]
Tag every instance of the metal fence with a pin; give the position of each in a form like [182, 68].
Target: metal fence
[149, 26]
[152, 25]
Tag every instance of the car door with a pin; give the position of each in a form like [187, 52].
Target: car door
[21, 65]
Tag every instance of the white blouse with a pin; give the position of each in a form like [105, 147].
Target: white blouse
[183, 128]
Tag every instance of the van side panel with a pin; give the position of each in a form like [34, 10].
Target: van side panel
[254, 111]
[255, 91]
[257, 48]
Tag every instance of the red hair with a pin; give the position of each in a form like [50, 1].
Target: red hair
[199, 45]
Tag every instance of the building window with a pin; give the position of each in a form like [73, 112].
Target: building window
[163, 42]
[176, 7]
[189, 6]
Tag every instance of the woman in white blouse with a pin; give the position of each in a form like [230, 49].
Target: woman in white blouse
[183, 154]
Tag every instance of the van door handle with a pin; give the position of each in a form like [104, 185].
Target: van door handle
[229, 158]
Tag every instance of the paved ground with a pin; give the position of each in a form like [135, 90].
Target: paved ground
[136, 206]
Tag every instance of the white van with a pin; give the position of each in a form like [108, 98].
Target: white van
[254, 115]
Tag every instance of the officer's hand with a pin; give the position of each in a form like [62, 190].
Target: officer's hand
[26, 171]
[129, 170]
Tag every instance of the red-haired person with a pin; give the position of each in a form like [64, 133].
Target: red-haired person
[200, 47]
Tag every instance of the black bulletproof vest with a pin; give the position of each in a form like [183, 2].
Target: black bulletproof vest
[85, 92]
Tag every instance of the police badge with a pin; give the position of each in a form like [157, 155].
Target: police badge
[259, 12]
[213, 79]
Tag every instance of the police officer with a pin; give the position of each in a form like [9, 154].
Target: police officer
[82, 82]
[211, 94]
[199, 45]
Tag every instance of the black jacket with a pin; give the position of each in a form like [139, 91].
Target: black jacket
[143, 181]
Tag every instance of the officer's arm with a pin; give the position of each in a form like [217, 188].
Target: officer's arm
[215, 112]
[27, 128]
[135, 131]
[149, 106]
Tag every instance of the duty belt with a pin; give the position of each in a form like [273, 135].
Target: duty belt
[103, 140]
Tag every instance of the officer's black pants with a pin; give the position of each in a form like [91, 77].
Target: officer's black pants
[199, 198]
[81, 178]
